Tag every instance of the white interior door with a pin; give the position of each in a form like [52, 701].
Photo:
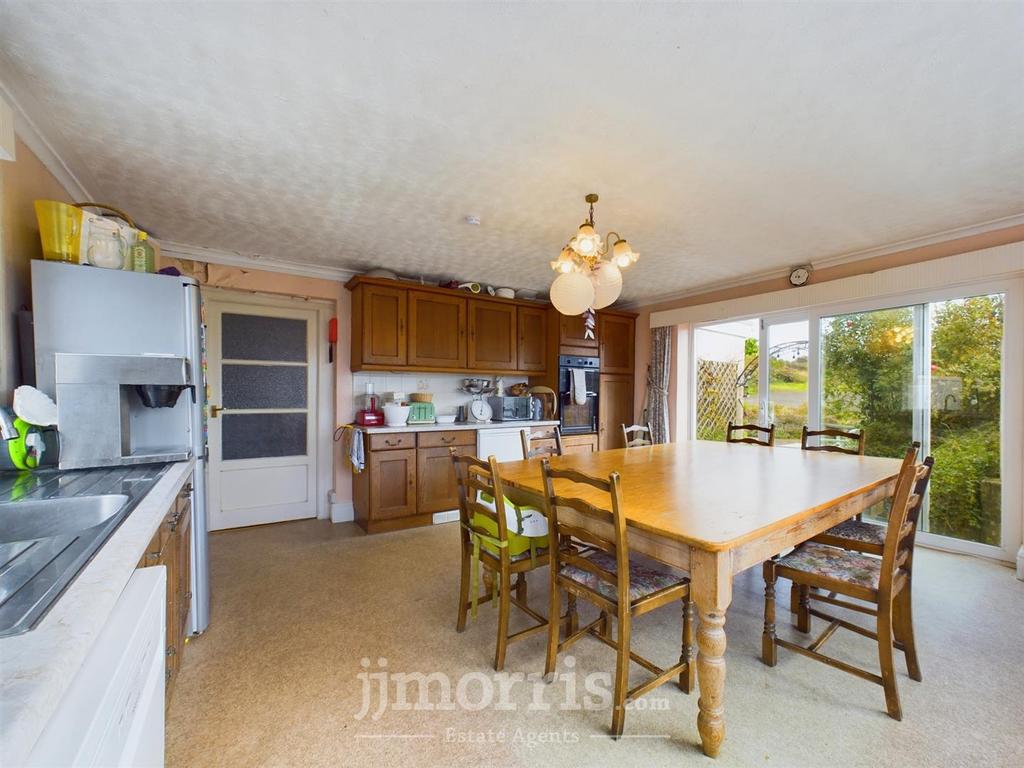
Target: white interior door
[262, 373]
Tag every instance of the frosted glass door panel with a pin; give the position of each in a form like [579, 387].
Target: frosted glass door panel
[264, 386]
[256, 337]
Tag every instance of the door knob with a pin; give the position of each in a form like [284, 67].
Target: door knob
[215, 411]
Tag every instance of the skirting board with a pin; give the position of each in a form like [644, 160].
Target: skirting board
[342, 512]
[1020, 563]
[450, 516]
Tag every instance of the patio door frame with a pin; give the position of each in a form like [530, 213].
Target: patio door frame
[1011, 411]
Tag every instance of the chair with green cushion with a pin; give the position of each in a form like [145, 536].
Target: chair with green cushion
[495, 534]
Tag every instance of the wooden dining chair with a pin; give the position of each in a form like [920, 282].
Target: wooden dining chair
[609, 579]
[857, 437]
[861, 536]
[869, 538]
[745, 429]
[486, 541]
[644, 435]
[883, 583]
[541, 441]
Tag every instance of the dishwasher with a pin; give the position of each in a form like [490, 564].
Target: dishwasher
[504, 444]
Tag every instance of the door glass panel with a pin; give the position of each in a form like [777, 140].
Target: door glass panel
[787, 380]
[867, 367]
[263, 435]
[966, 370]
[264, 386]
[727, 376]
[257, 337]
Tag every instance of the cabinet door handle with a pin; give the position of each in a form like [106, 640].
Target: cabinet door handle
[391, 444]
[447, 439]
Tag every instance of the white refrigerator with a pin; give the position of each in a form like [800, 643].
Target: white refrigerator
[89, 310]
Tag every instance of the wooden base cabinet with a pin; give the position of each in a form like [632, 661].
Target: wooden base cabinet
[408, 477]
[171, 547]
[579, 443]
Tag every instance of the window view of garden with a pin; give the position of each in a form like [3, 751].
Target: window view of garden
[868, 382]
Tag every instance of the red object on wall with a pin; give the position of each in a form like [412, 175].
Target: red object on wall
[332, 330]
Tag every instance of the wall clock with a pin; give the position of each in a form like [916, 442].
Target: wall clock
[799, 276]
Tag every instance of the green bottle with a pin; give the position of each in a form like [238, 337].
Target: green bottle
[141, 255]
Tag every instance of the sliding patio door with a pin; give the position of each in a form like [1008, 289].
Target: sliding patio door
[930, 372]
[932, 369]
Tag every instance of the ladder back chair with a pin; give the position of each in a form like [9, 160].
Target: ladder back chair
[644, 435]
[882, 585]
[849, 531]
[541, 441]
[487, 541]
[745, 431]
[616, 585]
[869, 538]
[856, 437]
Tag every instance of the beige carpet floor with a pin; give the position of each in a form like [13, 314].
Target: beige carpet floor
[298, 606]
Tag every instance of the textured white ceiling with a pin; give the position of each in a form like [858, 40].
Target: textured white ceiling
[724, 139]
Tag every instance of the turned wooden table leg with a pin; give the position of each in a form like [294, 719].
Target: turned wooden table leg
[711, 588]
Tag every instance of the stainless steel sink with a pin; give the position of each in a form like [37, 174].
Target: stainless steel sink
[51, 525]
[27, 520]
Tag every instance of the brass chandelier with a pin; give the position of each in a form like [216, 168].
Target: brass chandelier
[590, 275]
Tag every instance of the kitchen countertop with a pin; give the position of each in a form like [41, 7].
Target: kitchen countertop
[37, 667]
[463, 425]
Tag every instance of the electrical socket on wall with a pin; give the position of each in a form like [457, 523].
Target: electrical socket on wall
[422, 385]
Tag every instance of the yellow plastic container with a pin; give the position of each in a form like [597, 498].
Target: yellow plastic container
[60, 229]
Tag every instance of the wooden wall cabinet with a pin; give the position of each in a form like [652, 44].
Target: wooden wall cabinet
[379, 326]
[616, 334]
[437, 330]
[171, 547]
[399, 326]
[533, 338]
[492, 336]
[572, 336]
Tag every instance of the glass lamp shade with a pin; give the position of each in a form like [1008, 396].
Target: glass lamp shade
[587, 242]
[622, 254]
[572, 293]
[607, 281]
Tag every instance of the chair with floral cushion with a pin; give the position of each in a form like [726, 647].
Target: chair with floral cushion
[609, 579]
[507, 540]
[856, 533]
[882, 586]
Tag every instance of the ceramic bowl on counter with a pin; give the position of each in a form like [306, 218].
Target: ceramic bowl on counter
[395, 415]
[446, 418]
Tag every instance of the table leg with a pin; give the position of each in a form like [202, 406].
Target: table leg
[711, 586]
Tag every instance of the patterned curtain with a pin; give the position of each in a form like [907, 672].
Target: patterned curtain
[658, 373]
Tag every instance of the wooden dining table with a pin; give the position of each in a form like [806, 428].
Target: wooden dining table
[714, 509]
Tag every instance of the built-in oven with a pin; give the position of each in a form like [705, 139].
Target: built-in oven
[578, 382]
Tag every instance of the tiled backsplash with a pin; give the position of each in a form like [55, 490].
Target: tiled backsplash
[444, 386]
